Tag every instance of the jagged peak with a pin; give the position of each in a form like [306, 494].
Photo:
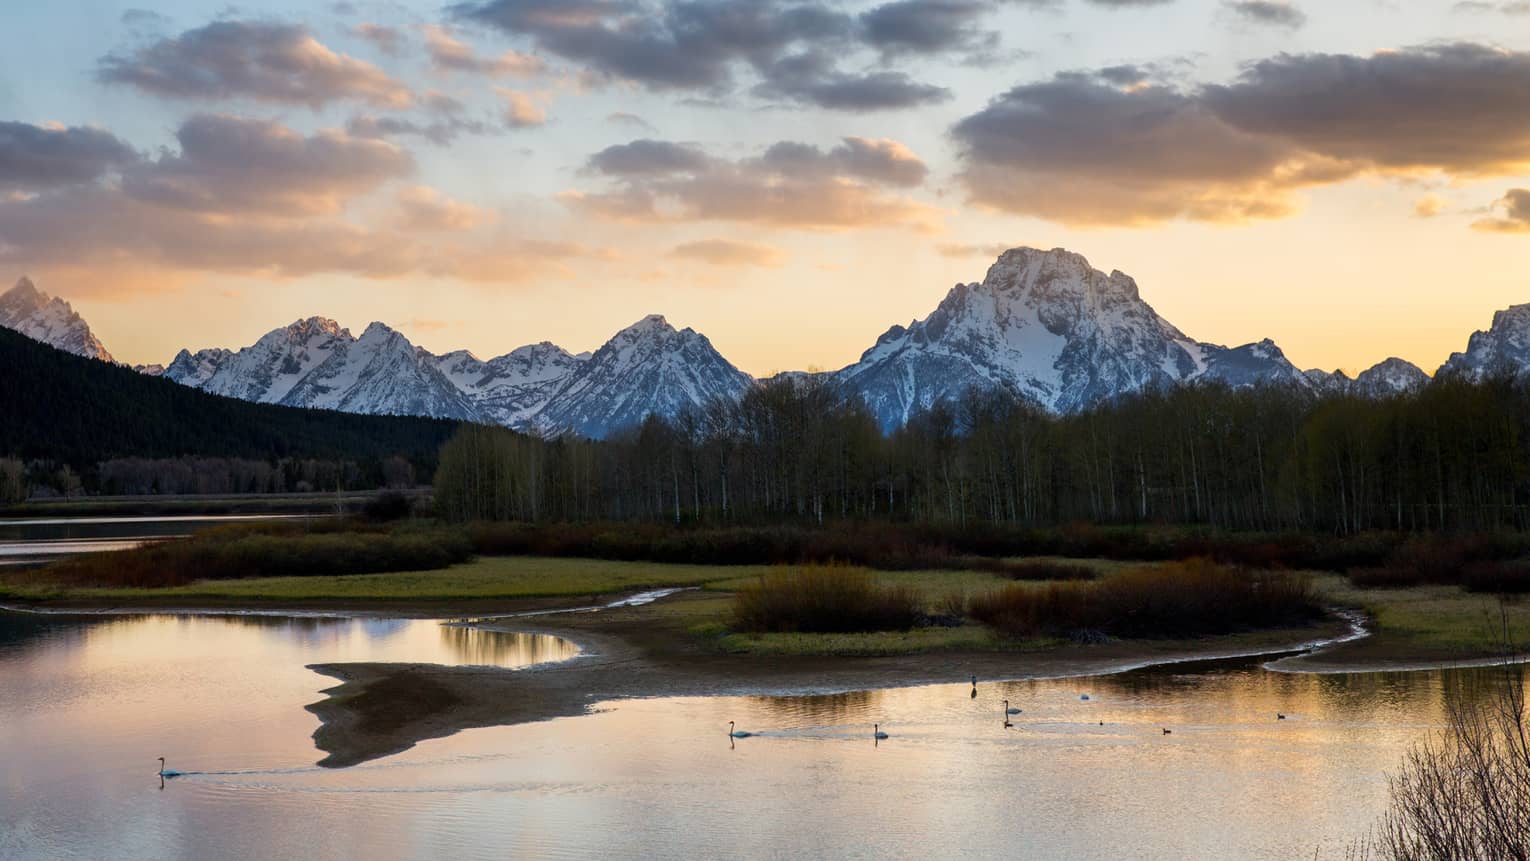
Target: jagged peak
[377, 328]
[1515, 315]
[314, 324]
[25, 289]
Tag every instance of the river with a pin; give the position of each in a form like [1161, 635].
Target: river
[88, 703]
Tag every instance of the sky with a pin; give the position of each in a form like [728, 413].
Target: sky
[1350, 178]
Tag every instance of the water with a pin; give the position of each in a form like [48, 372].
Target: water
[87, 703]
[32, 540]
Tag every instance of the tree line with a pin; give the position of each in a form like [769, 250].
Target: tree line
[65, 419]
[1452, 456]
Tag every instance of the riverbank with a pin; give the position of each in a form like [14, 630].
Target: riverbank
[381, 709]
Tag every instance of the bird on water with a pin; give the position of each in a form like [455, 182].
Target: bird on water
[168, 772]
[737, 733]
[876, 732]
[1008, 710]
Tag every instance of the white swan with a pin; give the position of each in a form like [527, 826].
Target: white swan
[168, 772]
[1008, 710]
[876, 732]
[737, 733]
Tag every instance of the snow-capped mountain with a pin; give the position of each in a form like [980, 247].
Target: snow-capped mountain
[1504, 347]
[381, 373]
[48, 319]
[645, 369]
[511, 389]
[1390, 377]
[1047, 325]
[316, 363]
[1384, 379]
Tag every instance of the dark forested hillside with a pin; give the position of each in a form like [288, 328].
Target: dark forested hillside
[79, 412]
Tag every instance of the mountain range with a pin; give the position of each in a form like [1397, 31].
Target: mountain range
[1043, 324]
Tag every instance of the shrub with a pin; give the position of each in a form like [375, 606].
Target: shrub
[825, 599]
[1180, 599]
[1046, 570]
[1504, 578]
[249, 550]
[386, 506]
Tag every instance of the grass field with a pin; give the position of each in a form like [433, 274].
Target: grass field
[1427, 621]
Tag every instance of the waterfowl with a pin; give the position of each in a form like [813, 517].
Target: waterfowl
[168, 772]
[1008, 710]
[737, 733]
[1279, 716]
[876, 732]
[1083, 696]
[974, 687]
[1167, 731]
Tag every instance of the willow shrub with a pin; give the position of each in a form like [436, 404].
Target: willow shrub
[825, 599]
[1190, 598]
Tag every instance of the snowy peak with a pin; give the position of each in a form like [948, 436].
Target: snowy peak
[1389, 377]
[1503, 348]
[1048, 326]
[648, 368]
[50, 320]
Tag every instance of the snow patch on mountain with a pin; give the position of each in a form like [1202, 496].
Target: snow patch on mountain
[648, 368]
[50, 320]
[1503, 348]
[1047, 326]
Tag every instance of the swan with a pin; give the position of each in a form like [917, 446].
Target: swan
[737, 733]
[1083, 696]
[1167, 731]
[974, 687]
[1008, 710]
[876, 732]
[168, 772]
[1279, 716]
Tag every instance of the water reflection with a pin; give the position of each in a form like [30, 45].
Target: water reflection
[477, 647]
[87, 704]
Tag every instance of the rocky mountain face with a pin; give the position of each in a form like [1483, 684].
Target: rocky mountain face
[1503, 348]
[1043, 324]
[1047, 325]
[48, 319]
[1384, 379]
[511, 389]
[648, 368]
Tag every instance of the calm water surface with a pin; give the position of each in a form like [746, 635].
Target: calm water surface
[30, 540]
[86, 704]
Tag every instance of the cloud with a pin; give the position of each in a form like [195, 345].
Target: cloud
[521, 109]
[792, 47]
[1083, 149]
[728, 252]
[1428, 206]
[1461, 108]
[885, 161]
[927, 26]
[1507, 7]
[1275, 13]
[449, 54]
[234, 165]
[389, 40]
[1512, 213]
[447, 120]
[424, 209]
[1080, 151]
[791, 185]
[956, 249]
[623, 118]
[264, 61]
[40, 157]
